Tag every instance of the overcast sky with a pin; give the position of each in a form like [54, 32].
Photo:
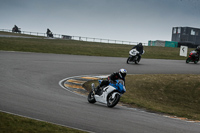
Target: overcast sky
[127, 20]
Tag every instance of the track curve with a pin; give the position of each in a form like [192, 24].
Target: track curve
[29, 87]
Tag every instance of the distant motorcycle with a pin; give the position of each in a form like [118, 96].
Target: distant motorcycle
[193, 57]
[17, 30]
[134, 56]
[109, 95]
[50, 34]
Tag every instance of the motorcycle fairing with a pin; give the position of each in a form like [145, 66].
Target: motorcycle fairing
[194, 55]
[119, 87]
[133, 52]
[103, 98]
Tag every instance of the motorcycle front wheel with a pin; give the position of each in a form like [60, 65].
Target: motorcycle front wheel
[91, 98]
[188, 60]
[111, 102]
[127, 61]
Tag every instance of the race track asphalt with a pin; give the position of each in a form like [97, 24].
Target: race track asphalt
[29, 86]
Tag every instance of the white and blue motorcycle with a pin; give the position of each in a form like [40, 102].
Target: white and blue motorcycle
[134, 56]
[109, 95]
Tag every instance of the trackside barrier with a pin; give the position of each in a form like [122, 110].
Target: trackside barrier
[78, 38]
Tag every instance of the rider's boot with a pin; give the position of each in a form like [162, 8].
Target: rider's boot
[97, 90]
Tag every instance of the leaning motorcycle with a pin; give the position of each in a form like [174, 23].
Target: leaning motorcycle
[109, 95]
[50, 34]
[16, 30]
[193, 57]
[134, 56]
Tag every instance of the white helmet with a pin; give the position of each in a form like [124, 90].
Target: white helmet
[122, 72]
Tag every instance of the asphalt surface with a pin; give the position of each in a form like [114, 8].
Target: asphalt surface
[29, 86]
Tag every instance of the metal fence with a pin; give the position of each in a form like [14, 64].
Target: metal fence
[79, 38]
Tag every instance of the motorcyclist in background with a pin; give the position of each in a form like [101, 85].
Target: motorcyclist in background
[49, 33]
[15, 29]
[139, 48]
[198, 49]
[112, 79]
[198, 52]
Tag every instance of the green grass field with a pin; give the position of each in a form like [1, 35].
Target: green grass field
[171, 94]
[17, 124]
[60, 46]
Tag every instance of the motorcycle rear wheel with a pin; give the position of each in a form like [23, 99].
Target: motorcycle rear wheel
[136, 62]
[111, 102]
[91, 98]
[137, 59]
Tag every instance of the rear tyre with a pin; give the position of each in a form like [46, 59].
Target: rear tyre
[136, 60]
[111, 102]
[91, 98]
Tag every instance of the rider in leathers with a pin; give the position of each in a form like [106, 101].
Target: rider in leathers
[112, 79]
[139, 48]
[198, 52]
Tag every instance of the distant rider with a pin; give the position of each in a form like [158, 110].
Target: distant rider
[15, 29]
[198, 49]
[198, 52]
[49, 33]
[112, 79]
[139, 48]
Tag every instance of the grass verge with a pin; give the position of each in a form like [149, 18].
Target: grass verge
[173, 94]
[16, 124]
[60, 46]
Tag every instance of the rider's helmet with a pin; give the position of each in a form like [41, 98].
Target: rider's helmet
[140, 47]
[198, 48]
[122, 73]
[140, 44]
